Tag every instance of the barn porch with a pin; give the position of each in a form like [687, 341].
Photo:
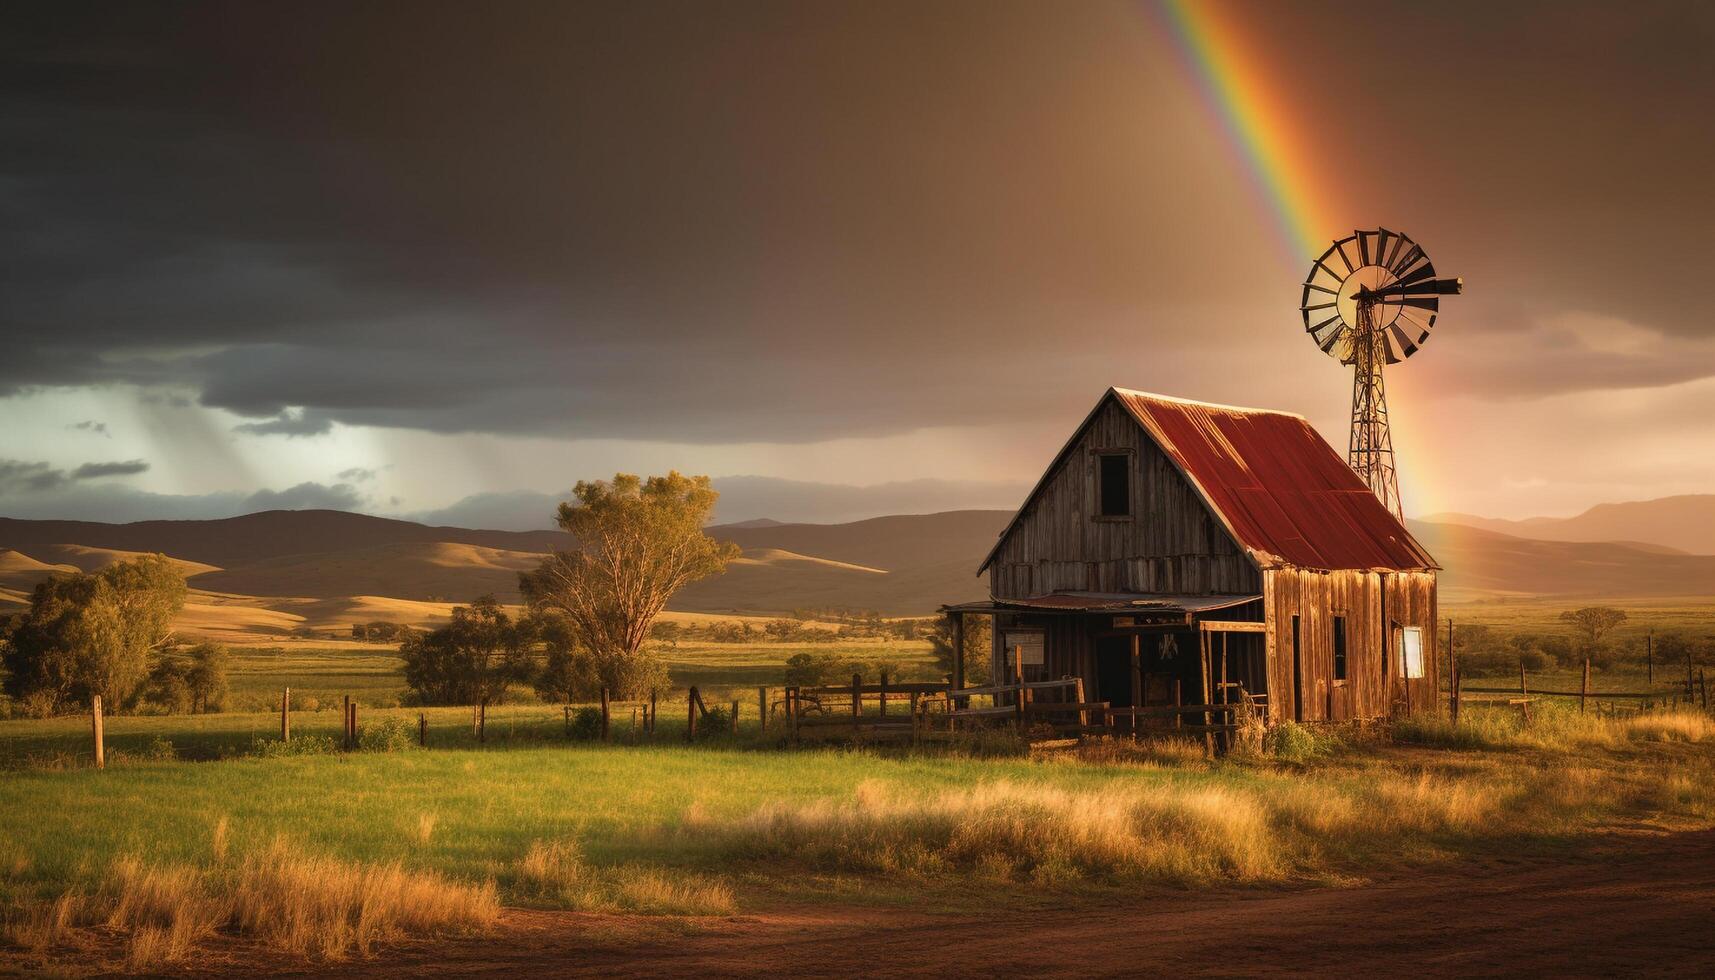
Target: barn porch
[1131, 651]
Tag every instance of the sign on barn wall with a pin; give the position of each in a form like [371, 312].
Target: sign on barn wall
[1030, 641]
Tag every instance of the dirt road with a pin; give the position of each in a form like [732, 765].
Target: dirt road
[1640, 905]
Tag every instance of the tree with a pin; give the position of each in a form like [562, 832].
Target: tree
[470, 660]
[88, 634]
[634, 544]
[979, 638]
[1593, 621]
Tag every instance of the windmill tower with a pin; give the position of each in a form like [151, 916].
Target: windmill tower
[1371, 300]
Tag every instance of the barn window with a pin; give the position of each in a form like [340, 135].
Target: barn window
[1339, 648]
[1115, 484]
[1411, 651]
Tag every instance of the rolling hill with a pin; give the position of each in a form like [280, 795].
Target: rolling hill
[1684, 524]
[278, 572]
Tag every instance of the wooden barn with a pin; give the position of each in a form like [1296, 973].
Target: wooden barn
[1177, 549]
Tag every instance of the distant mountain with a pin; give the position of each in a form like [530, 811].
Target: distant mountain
[1477, 561]
[234, 541]
[749, 499]
[264, 572]
[1683, 524]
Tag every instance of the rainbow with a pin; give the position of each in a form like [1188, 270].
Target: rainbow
[1232, 77]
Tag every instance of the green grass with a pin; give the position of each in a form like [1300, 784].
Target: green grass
[1693, 615]
[374, 675]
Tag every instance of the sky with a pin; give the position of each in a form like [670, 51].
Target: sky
[443, 261]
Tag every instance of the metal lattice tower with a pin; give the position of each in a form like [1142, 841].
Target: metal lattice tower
[1370, 300]
[1370, 452]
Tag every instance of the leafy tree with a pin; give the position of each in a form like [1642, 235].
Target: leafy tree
[635, 543]
[1592, 622]
[88, 634]
[470, 660]
[979, 638]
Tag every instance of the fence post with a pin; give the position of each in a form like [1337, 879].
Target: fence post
[568, 712]
[884, 694]
[1584, 692]
[650, 727]
[482, 720]
[1178, 702]
[345, 722]
[916, 703]
[1690, 689]
[1083, 712]
[792, 713]
[1455, 692]
[354, 724]
[857, 700]
[285, 714]
[691, 715]
[1452, 664]
[1521, 688]
[762, 709]
[1703, 685]
[422, 730]
[1649, 656]
[604, 714]
[733, 721]
[95, 730]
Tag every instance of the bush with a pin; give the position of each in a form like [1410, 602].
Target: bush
[718, 721]
[387, 735]
[1294, 743]
[586, 724]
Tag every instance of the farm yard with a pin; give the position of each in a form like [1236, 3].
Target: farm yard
[569, 847]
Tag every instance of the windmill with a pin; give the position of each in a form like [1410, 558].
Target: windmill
[1370, 301]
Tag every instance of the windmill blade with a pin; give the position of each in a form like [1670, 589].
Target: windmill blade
[1428, 287]
[1421, 302]
[1319, 326]
[1363, 248]
[1424, 271]
[1405, 261]
[1406, 346]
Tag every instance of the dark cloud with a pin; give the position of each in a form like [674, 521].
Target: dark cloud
[90, 425]
[299, 423]
[90, 471]
[774, 221]
[18, 476]
[357, 474]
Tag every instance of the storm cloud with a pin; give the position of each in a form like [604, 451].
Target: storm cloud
[778, 222]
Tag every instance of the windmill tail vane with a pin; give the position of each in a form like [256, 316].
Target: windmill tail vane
[1371, 300]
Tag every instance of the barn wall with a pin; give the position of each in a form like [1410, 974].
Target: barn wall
[1170, 545]
[1373, 687]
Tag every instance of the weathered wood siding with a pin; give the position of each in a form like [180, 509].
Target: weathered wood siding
[1171, 544]
[1373, 686]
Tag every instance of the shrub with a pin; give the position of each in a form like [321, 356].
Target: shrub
[718, 721]
[387, 735]
[586, 724]
[1293, 742]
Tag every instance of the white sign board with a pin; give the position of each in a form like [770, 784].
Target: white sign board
[1411, 651]
[1031, 643]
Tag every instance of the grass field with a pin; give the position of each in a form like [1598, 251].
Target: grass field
[195, 830]
[1692, 615]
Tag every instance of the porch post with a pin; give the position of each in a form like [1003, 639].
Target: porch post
[957, 632]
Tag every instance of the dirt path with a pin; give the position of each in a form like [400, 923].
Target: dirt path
[1642, 905]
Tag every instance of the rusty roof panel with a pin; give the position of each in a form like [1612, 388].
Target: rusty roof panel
[1283, 492]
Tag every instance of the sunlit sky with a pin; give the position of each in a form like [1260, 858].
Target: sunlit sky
[329, 255]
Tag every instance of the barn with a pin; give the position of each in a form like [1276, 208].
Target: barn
[1183, 550]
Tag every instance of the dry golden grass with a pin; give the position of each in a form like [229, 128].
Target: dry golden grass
[1681, 726]
[308, 906]
[556, 871]
[1274, 828]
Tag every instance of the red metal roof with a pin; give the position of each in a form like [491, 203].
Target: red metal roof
[1283, 492]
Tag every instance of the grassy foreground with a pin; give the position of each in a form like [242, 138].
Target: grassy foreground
[325, 856]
